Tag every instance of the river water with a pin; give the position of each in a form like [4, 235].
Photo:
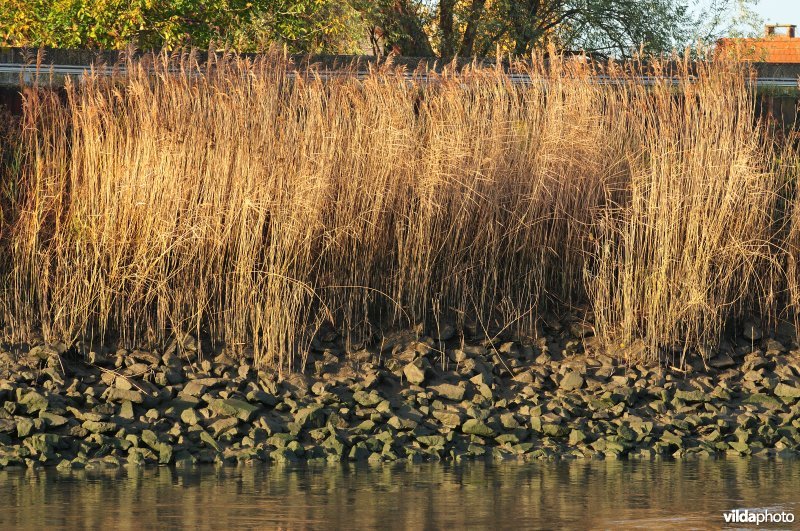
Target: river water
[508, 495]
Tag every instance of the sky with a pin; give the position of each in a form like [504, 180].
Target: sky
[779, 11]
[768, 11]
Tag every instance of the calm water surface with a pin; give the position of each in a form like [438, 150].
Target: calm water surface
[549, 495]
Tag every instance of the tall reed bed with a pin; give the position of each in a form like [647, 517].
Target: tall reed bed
[247, 205]
[695, 243]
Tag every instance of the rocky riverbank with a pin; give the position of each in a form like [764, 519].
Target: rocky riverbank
[408, 398]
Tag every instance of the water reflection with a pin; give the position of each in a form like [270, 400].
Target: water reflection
[596, 494]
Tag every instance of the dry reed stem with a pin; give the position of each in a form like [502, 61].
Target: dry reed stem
[239, 203]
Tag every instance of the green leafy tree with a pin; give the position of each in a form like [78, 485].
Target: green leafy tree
[70, 23]
[478, 27]
[427, 28]
[302, 25]
[307, 26]
[621, 27]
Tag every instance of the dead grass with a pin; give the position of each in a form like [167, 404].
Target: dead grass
[241, 204]
[692, 246]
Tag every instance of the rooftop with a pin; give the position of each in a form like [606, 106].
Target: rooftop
[779, 44]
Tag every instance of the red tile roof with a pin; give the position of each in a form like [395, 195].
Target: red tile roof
[774, 49]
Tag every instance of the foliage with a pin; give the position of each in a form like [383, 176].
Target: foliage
[302, 25]
[443, 28]
[613, 27]
[623, 26]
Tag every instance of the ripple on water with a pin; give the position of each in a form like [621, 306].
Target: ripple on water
[542, 495]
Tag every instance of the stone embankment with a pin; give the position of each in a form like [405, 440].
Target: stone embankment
[408, 398]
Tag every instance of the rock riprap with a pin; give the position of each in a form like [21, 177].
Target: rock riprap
[421, 399]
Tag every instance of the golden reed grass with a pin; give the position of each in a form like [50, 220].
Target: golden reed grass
[247, 205]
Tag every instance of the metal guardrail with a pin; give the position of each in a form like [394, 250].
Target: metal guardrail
[12, 73]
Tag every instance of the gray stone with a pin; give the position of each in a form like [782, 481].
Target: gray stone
[672, 439]
[115, 394]
[721, 361]
[126, 410]
[79, 432]
[189, 416]
[163, 449]
[120, 382]
[194, 388]
[366, 426]
[367, 399]
[359, 452]
[24, 426]
[571, 381]
[477, 427]
[773, 346]
[576, 437]
[174, 376]
[147, 357]
[176, 406]
[137, 370]
[283, 455]
[279, 440]
[626, 433]
[164, 453]
[335, 446]
[457, 355]
[414, 373]
[33, 402]
[449, 391]
[507, 438]
[209, 441]
[754, 375]
[431, 440]
[150, 438]
[764, 400]
[223, 425]
[319, 388]
[739, 446]
[554, 430]
[42, 353]
[787, 391]
[524, 377]
[262, 397]
[448, 419]
[99, 427]
[691, 396]
[310, 417]
[52, 420]
[232, 407]
[42, 443]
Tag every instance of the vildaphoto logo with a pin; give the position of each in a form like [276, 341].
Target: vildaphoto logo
[746, 516]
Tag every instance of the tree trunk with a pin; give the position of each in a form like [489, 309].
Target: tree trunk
[468, 42]
[448, 48]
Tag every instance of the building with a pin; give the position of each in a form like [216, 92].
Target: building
[780, 44]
